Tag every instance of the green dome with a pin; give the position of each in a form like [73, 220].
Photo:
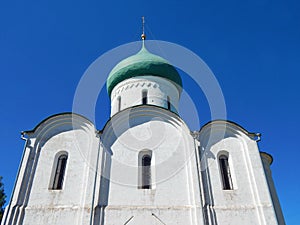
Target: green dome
[140, 64]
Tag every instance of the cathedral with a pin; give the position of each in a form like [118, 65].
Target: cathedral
[145, 166]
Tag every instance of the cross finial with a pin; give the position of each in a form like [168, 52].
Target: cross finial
[143, 36]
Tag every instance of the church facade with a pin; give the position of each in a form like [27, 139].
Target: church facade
[145, 166]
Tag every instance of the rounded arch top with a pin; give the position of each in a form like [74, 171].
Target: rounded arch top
[59, 123]
[227, 128]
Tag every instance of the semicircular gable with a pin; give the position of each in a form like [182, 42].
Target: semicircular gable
[60, 123]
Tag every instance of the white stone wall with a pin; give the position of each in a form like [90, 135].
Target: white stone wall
[34, 202]
[175, 195]
[130, 92]
[249, 202]
[267, 161]
[101, 185]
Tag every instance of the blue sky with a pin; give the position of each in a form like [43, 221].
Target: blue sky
[251, 46]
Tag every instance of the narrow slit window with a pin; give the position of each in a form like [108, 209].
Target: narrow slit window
[119, 104]
[146, 172]
[144, 97]
[168, 103]
[225, 173]
[60, 172]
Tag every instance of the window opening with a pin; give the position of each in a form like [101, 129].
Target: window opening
[144, 97]
[119, 103]
[146, 172]
[168, 102]
[60, 172]
[225, 172]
